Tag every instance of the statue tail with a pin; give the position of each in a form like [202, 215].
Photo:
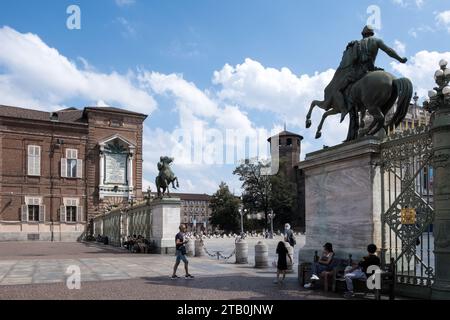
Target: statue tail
[404, 90]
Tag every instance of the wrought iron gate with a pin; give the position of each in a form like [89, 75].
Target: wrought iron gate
[407, 206]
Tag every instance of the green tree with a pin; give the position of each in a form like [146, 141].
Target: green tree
[225, 209]
[263, 193]
[256, 194]
[282, 199]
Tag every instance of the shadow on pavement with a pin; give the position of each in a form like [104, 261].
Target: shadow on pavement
[258, 287]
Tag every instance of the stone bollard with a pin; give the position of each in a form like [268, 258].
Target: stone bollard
[190, 248]
[291, 252]
[241, 251]
[199, 251]
[261, 255]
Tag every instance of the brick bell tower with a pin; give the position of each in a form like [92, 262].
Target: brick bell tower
[289, 150]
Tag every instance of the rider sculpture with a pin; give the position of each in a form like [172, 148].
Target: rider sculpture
[165, 176]
[358, 63]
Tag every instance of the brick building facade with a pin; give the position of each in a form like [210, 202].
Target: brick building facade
[59, 169]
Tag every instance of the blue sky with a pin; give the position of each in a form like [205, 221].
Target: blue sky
[226, 65]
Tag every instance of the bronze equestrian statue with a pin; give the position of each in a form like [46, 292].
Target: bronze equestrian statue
[359, 87]
[165, 177]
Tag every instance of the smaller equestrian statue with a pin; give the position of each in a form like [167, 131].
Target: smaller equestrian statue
[165, 177]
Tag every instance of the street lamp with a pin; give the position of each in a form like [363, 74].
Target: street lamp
[271, 216]
[242, 212]
[440, 95]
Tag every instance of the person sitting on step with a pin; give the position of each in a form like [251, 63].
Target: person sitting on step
[360, 271]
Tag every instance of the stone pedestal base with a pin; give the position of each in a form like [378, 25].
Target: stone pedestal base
[343, 199]
[166, 220]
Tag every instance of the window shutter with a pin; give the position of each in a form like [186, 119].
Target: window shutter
[79, 168]
[80, 217]
[30, 156]
[62, 213]
[24, 212]
[63, 167]
[41, 213]
[37, 160]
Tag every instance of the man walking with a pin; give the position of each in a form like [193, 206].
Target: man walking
[289, 235]
[181, 253]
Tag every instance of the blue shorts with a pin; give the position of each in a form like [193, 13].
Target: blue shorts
[181, 256]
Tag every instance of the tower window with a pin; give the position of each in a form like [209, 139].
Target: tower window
[289, 141]
[298, 142]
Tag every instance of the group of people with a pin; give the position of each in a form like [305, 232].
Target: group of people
[137, 244]
[355, 272]
[282, 251]
[325, 263]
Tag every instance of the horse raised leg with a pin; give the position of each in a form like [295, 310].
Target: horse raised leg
[321, 104]
[325, 115]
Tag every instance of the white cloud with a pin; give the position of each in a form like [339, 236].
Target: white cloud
[128, 29]
[186, 94]
[421, 68]
[406, 3]
[400, 47]
[123, 3]
[36, 75]
[414, 32]
[282, 93]
[443, 19]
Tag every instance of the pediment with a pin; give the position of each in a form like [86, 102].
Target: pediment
[118, 137]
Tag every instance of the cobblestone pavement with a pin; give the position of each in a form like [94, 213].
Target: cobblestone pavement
[37, 270]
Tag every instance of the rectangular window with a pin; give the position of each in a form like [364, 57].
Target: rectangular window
[71, 166]
[33, 210]
[33, 213]
[71, 213]
[34, 160]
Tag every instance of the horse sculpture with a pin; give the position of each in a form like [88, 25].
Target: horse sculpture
[165, 177]
[359, 87]
[376, 94]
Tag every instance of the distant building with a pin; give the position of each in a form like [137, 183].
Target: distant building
[60, 169]
[195, 211]
[415, 117]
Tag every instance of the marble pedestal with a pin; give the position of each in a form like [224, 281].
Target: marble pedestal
[165, 224]
[342, 199]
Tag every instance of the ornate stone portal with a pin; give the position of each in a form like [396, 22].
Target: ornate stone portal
[116, 168]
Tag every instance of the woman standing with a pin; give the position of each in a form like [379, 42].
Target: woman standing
[283, 253]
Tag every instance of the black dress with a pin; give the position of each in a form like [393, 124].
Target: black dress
[282, 255]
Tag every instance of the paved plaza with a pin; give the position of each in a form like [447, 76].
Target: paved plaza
[37, 270]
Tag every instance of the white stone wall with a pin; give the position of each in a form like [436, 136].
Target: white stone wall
[20, 231]
[343, 199]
